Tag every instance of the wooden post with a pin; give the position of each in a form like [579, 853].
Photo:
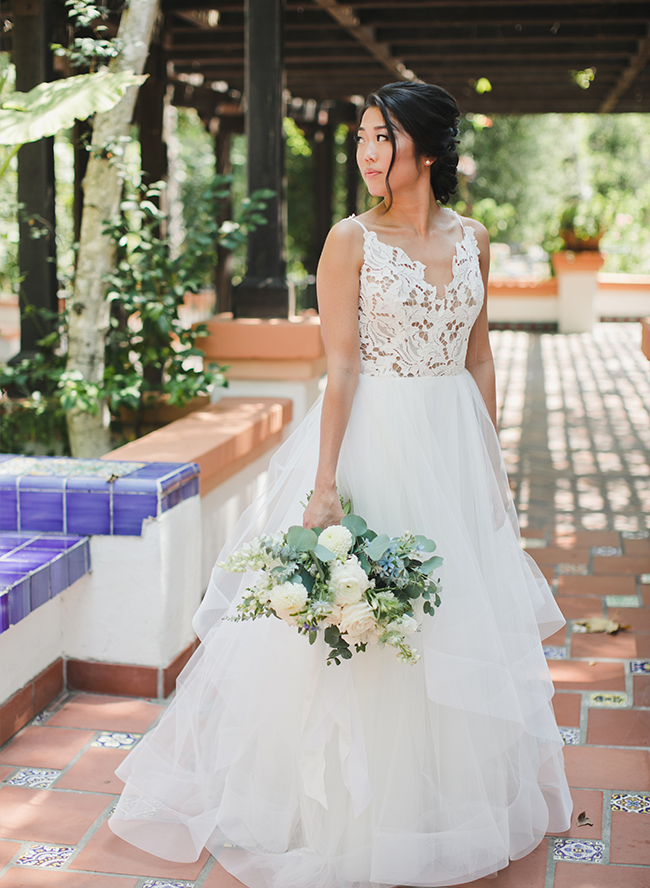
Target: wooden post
[36, 255]
[264, 291]
[323, 182]
[351, 173]
[223, 167]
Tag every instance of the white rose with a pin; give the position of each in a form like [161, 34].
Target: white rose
[357, 621]
[287, 599]
[348, 581]
[337, 539]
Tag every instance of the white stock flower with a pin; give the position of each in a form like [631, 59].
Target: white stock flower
[406, 624]
[337, 539]
[348, 581]
[357, 621]
[287, 599]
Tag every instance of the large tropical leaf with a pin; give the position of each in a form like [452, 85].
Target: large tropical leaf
[51, 107]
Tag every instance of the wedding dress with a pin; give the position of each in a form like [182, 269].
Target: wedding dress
[374, 773]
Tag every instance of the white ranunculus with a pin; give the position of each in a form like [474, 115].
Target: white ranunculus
[357, 621]
[287, 599]
[348, 581]
[337, 539]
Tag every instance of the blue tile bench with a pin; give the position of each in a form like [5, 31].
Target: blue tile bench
[89, 496]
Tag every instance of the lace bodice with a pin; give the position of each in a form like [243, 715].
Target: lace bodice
[406, 328]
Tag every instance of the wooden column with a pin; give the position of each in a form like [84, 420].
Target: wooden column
[351, 173]
[323, 182]
[150, 115]
[264, 291]
[223, 167]
[36, 255]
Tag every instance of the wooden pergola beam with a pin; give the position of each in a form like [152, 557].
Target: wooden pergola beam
[627, 78]
[364, 35]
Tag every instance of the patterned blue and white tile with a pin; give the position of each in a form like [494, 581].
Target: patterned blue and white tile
[42, 717]
[553, 652]
[644, 578]
[46, 856]
[635, 534]
[579, 850]
[640, 667]
[631, 802]
[115, 740]
[34, 778]
[572, 570]
[622, 601]
[571, 736]
[607, 551]
[607, 700]
[166, 883]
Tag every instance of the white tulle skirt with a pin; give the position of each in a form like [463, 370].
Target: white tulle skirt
[373, 773]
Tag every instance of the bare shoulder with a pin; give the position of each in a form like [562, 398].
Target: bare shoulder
[480, 232]
[345, 242]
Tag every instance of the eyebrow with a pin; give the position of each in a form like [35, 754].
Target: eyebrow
[381, 126]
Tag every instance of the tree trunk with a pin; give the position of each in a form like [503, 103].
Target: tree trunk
[102, 186]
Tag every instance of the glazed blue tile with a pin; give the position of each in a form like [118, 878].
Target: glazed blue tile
[40, 587]
[8, 507]
[192, 488]
[76, 482]
[57, 543]
[59, 576]
[5, 611]
[129, 484]
[42, 482]
[9, 575]
[78, 560]
[41, 511]
[88, 513]
[129, 510]
[6, 456]
[19, 601]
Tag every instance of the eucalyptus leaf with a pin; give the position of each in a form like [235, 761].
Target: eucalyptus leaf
[427, 544]
[355, 524]
[378, 546]
[332, 635]
[51, 107]
[412, 590]
[301, 538]
[431, 564]
[322, 553]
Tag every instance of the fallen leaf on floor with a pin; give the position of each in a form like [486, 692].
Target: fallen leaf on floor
[601, 624]
[583, 820]
[593, 662]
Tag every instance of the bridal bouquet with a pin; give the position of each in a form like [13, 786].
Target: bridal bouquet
[354, 585]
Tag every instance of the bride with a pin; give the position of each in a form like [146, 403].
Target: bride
[376, 773]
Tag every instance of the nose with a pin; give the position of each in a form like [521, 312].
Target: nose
[371, 152]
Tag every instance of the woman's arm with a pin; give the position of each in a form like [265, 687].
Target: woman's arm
[479, 360]
[338, 303]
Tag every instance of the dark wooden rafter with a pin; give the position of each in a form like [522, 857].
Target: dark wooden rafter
[629, 75]
[363, 34]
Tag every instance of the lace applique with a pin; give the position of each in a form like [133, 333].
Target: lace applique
[405, 328]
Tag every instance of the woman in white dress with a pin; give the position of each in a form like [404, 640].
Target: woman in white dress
[376, 773]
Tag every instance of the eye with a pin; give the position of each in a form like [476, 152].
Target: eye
[358, 139]
[382, 136]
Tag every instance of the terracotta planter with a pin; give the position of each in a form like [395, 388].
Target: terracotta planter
[580, 244]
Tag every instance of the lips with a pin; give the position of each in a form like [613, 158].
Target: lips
[368, 173]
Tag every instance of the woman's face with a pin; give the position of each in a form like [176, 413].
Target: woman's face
[374, 153]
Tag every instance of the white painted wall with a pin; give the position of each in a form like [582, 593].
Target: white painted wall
[622, 303]
[137, 603]
[29, 646]
[522, 309]
[303, 393]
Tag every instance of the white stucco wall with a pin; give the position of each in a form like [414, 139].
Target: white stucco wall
[29, 646]
[137, 603]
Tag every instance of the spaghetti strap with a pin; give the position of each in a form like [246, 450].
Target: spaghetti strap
[358, 221]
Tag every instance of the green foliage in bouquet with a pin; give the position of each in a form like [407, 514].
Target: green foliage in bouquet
[356, 586]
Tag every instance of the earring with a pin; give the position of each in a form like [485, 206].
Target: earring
[428, 162]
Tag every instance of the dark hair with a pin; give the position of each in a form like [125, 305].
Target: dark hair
[429, 115]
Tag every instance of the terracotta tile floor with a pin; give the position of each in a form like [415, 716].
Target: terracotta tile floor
[563, 399]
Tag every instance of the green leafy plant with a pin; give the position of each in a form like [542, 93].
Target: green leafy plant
[582, 225]
[32, 412]
[150, 353]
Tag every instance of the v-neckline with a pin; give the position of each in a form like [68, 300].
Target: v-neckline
[415, 264]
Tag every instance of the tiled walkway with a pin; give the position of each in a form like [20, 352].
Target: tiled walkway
[576, 429]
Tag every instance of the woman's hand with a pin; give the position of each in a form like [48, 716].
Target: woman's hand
[323, 509]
